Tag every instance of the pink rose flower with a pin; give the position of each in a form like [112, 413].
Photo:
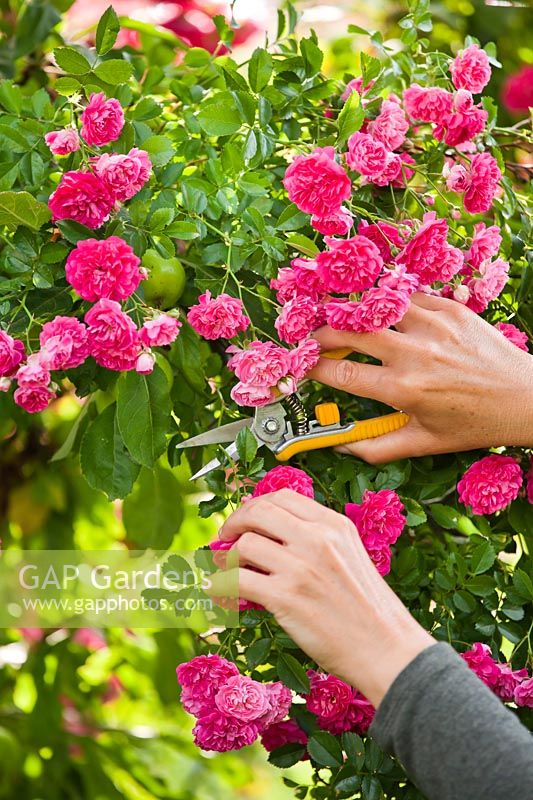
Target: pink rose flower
[355, 85]
[366, 155]
[349, 265]
[243, 698]
[145, 363]
[383, 235]
[428, 253]
[514, 335]
[245, 394]
[83, 197]
[124, 175]
[508, 680]
[285, 732]
[261, 364]
[220, 733]
[303, 358]
[160, 331]
[33, 373]
[485, 244]
[329, 697]
[399, 279]
[5, 384]
[480, 661]
[517, 92]
[285, 477]
[301, 279]
[390, 126]
[490, 484]
[529, 482]
[219, 317]
[280, 701]
[65, 329]
[297, 319]
[316, 183]
[523, 693]
[11, 354]
[336, 224]
[458, 178]
[99, 268]
[461, 126]
[487, 284]
[113, 337]
[91, 638]
[471, 69]
[391, 173]
[485, 176]
[102, 120]
[379, 308]
[63, 142]
[379, 521]
[201, 678]
[33, 398]
[357, 717]
[427, 104]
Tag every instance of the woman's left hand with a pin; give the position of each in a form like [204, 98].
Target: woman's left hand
[323, 589]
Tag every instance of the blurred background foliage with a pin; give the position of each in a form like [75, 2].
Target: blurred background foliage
[94, 715]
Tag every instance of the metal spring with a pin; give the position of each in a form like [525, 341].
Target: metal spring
[299, 414]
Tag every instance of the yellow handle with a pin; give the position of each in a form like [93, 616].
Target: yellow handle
[366, 429]
[341, 352]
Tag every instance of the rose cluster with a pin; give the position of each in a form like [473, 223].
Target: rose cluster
[379, 521]
[90, 195]
[101, 271]
[511, 686]
[231, 709]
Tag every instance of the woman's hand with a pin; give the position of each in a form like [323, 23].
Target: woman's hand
[463, 384]
[323, 589]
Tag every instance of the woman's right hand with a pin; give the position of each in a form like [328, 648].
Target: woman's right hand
[463, 384]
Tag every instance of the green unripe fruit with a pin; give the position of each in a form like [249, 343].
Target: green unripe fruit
[165, 284]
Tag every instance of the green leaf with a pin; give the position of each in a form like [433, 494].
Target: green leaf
[246, 445]
[444, 516]
[104, 460]
[143, 414]
[325, 749]
[220, 116]
[67, 86]
[523, 584]
[114, 71]
[183, 230]
[286, 756]
[259, 69]
[70, 60]
[482, 558]
[415, 512]
[258, 652]
[20, 208]
[153, 512]
[291, 672]
[160, 149]
[302, 243]
[520, 516]
[354, 747]
[33, 27]
[107, 31]
[350, 119]
[10, 97]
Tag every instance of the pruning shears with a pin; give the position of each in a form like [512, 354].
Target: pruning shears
[286, 428]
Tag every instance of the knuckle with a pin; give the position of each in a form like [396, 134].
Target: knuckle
[345, 374]
[246, 542]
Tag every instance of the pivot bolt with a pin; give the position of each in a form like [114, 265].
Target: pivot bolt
[271, 425]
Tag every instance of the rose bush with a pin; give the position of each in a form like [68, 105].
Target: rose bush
[291, 200]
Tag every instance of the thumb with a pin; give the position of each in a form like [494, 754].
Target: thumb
[407, 442]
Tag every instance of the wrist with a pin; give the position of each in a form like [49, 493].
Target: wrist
[517, 404]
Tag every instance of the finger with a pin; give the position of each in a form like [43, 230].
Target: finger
[416, 317]
[380, 345]
[258, 551]
[262, 517]
[407, 442]
[365, 380]
[431, 302]
[241, 582]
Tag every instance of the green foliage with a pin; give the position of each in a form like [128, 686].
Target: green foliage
[219, 135]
